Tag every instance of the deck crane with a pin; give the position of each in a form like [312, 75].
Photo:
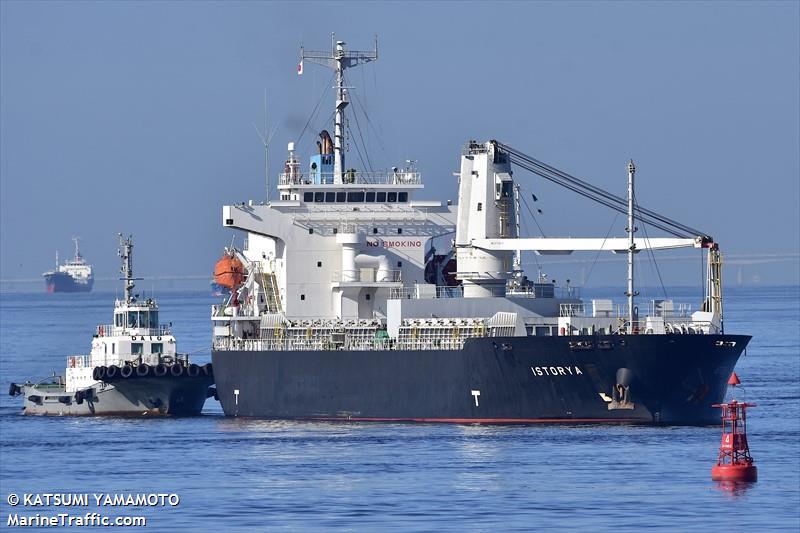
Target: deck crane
[683, 236]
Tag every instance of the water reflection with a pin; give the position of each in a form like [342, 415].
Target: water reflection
[734, 489]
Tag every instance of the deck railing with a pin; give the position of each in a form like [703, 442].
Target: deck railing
[353, 178]
[110, 330]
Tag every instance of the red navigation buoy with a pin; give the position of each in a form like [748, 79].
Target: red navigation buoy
[734, 462]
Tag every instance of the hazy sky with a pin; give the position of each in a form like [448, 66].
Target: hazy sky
[137, 116]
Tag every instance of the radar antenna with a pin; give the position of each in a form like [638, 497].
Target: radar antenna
[339, 59]
[125, 252]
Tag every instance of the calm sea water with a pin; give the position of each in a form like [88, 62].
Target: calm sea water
[251, 475]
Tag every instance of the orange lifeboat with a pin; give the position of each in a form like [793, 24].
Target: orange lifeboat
[229, 271]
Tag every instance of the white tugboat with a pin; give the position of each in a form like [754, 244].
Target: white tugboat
[134, 367]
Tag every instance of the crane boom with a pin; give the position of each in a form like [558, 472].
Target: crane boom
[558, 245]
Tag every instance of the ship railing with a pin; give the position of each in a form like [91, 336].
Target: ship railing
[685, 326]
[289, 344]
[539, 290]
[576, 310]
[425, 291]
[225, 310]
[110, 330]
[401, 177]
[151, 359]
[620, 326]
[680, 313]
[367, 275]
[422, 292]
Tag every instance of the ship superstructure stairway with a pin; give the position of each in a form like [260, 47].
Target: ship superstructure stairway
[272, 294]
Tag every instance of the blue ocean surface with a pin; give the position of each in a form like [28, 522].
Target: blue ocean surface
[259, 475]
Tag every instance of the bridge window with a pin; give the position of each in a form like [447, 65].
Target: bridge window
[355, 197]
[399, 231]
[153, 319]
[402, 197]
[308, 197]
[330, 197]
[374, 231]
[370, 197]
[341, 197]
[391, 197]
[381, 197]
[319, 196]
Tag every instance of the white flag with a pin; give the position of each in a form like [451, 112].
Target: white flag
[300, 68]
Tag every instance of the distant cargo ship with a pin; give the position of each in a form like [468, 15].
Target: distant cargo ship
[74, 275]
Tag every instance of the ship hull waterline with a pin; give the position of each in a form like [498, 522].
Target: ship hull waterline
[61, 282]
[158, 396]
[672, 379]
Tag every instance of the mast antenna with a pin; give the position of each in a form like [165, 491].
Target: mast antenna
[631, 229]
[266, 140]
[339, 59]
[125, 253]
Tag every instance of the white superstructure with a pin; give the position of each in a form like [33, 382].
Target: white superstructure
[345, 259]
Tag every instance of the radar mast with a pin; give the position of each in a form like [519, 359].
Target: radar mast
[339, 59]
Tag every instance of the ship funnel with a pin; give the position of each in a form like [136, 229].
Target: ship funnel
[327, 143]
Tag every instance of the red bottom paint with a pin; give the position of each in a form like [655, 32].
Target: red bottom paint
[485, 420]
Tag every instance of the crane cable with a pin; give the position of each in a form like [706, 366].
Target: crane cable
[597, 194]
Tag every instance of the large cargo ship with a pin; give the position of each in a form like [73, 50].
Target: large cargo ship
[74, 275]
[342, 308]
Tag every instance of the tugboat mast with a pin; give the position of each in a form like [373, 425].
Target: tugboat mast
[126, 254]
[339, 59]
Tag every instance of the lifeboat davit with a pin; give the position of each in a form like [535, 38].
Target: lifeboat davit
[229, 272]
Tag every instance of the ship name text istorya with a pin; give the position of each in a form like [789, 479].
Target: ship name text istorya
[342, 309]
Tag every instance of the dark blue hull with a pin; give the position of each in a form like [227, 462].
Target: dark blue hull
[62, 282]
[670, 379]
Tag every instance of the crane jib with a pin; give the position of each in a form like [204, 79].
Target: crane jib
[599, 195]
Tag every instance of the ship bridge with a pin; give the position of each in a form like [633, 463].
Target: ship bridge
[322, 185]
